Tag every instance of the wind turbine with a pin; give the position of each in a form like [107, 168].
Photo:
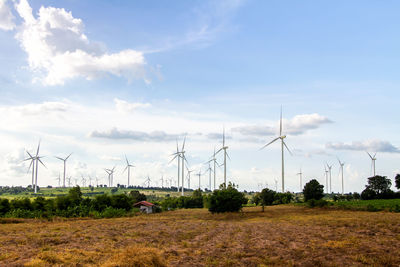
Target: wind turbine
[276, 185]
[330, 176]
[373, 158]
[32, 164]
[37, 160]
[162, 181]
[209, 174]
[283, 144]
[65, 161]
[128, 166]
[83, 181]
[177, 155]
[341, 169]
[59, 179]
[199, 174]
[147, 181]
[183, 164]
[326, 179]
[188, 172]
[301, 179]
[214, 160]
[224, 147]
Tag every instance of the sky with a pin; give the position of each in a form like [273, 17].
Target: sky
[105, 79]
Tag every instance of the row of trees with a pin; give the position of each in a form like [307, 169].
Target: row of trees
[71, 205]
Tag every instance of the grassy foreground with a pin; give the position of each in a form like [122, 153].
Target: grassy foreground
[284, 235]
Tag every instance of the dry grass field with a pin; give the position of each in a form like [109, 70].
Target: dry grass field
[281, 236]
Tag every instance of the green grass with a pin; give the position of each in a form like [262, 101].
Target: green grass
[371, 205]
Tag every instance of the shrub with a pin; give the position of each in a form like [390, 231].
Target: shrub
[137, 196]
[101, 202]
[267, 197]
[110, 212]
[313, 190]
[317, 203]
[368, 194]
[226, 200]
[121, 201]
[4, 206]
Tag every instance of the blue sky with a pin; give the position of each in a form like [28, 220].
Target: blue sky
[107, 78]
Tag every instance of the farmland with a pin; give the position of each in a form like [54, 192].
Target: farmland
[282, 235]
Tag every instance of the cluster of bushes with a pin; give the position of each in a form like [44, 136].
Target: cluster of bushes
[378, 187]
[227, 199]
[268, 197]
[15, 190]
[71, 205]
[347, 197]
[184, 202]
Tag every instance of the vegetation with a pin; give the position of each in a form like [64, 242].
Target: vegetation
[313, 190]
[378, 188]
[71, 205]
[227, 199]
[184, 202]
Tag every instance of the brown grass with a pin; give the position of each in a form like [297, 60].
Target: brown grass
[281, 236]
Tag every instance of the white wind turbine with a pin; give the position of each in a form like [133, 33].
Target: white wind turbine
[341, 169]
[326, 179]
[373, 158]
[32, 164]
[214, 160]
[199, 174]
[37, 160]
[183, 165]
[300, 174]
[128, 167]
[177, 155]
[330, 176]
[283, 144]
[65, 162]
[209, 169]
[188, 172]
[224, 148]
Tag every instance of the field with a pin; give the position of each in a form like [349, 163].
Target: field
[371, 205]
[284, 235]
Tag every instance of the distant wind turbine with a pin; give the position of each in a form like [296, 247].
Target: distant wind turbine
[128, 167]
[188, 172]
[330, 176]
[177, 155]
[199, 174]
[224, 148]
[373, 158]
[341, 169]
[183, 164]
[283, 144]
[32, 164]
[65, 161]
[209, 169]
[301, 180]
[326, 179]
[214, 160]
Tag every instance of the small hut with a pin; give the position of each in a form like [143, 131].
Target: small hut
[144, 206]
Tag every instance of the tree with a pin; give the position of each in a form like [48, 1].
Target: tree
[137, 196]
[267, 197]
[75, 195]
[397, 181]
[379, 184]
[313, 190]
[227, 199]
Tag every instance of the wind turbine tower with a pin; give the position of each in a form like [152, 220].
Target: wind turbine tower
[283, 144]
[330, 177]
[341, 169]
[224, 148]
[300, 174]
[65, 162]
[373, 158]
[128, 166]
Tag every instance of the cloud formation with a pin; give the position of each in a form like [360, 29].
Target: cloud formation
[371, 145]
[58, 49]
[42, 108]
[114, 133]
[298, 125]
[124, 106]
[6, 17]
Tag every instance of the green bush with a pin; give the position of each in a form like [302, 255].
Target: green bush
[4, 206]
[313, 190]
[111, 212]
[312, 203]
[226, 200]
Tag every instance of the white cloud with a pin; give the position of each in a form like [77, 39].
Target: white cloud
[38, 109]
[114, 133]
[370, 145]
[298, 125]
[124, 106]
[58, 49]
[6, 17]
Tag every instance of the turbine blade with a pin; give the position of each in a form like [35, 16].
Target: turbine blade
[369, 154]
[68, 156]
[125, 168]
[219, 150]
[223, 137]
[287, 148]
[59, 158]
[42, 163]
[269, 143]
[228, 156]
[30, 165]
[173, 159]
